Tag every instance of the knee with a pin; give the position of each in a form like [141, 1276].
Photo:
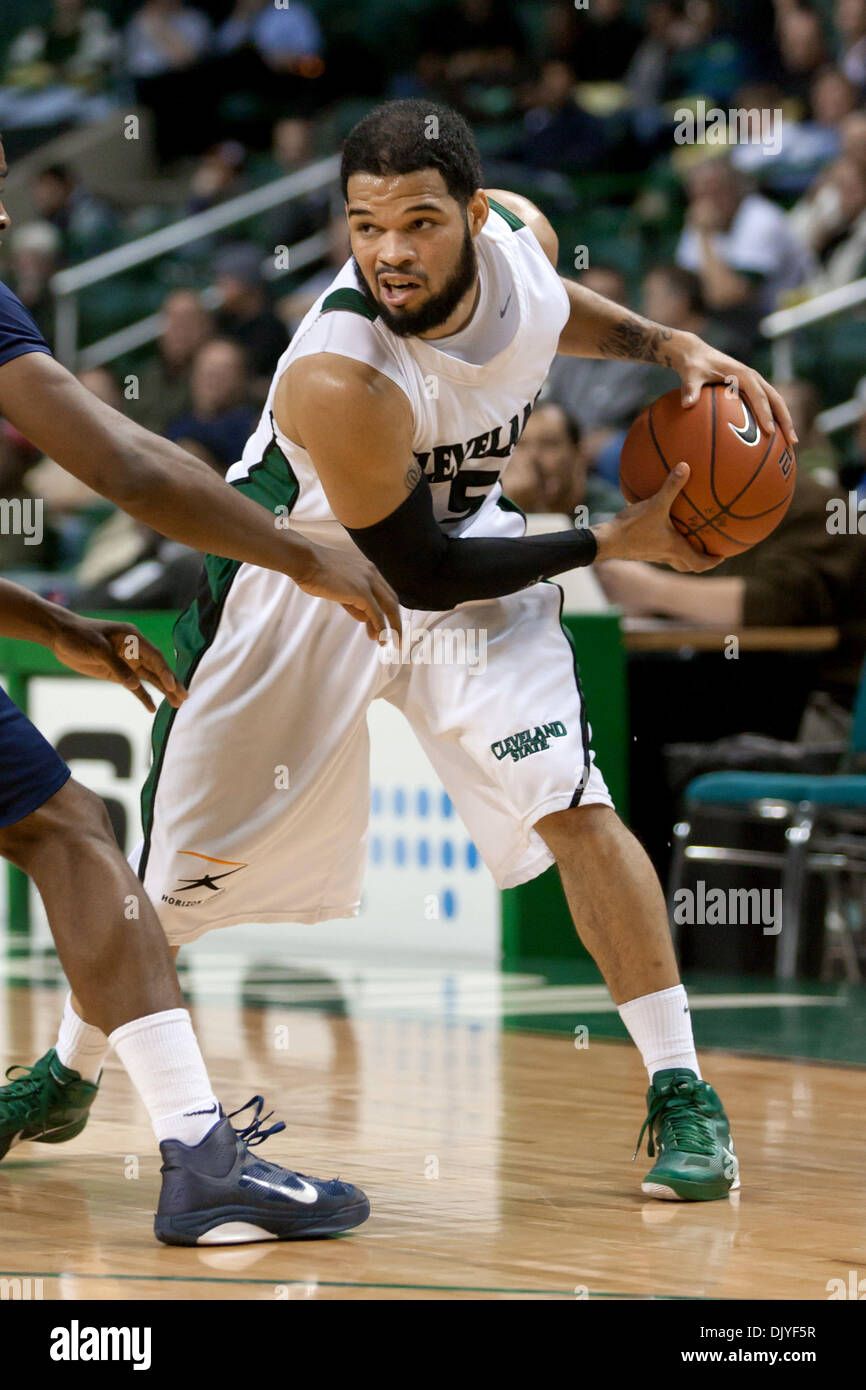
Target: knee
[564, 829]
[72, 818]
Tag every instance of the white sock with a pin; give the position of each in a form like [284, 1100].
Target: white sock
[661, 1028]
[80, 1046]
[162, 1056]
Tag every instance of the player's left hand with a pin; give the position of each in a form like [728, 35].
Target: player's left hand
[116, 651]
[697, 363]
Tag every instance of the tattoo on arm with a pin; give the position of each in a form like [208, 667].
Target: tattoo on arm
[638, 339]
[413, 476]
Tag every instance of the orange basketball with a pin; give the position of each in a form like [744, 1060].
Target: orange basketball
[742, 479]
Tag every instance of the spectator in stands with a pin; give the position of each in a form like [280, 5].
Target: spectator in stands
[220, 418]
[672, 296]
[559, 133]
[785, 154]
[831, 220]
[602, 40]
[832, 96]
[850, 23]
[853, 133]
[741, 246]
[648, 71]
[292, 307]
[800, 576]
[245, 314]
[76, 46]
[36, 254]
[802, 53]
[167, 47]
[714, 60]
[291, 150]
[87, 225]
[218, 176]
[57, 70]
[165, 36]
[287, 37]
[815, 453]
[605, 396]
[163, 385]
[548, 470]
[471, 47]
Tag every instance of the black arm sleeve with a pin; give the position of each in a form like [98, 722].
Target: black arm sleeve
[429, 570]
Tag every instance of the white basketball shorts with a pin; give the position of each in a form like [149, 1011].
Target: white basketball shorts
[257, 804]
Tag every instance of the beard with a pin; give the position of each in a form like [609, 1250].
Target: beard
[439, 307]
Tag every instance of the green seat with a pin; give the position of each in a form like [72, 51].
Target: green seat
[814, 842]
[741, 788]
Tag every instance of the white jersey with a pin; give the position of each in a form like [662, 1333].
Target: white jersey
[467, 418]
[279, 679]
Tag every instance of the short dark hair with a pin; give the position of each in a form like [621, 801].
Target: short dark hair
[572, 428]
[61, 172]
[399, 137]
[684, 282]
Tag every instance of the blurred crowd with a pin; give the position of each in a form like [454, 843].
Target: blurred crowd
[575, 107]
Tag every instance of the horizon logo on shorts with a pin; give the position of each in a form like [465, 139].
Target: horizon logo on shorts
[206, 884]
[528, 741]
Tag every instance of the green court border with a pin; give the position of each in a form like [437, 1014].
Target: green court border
[357, 1284]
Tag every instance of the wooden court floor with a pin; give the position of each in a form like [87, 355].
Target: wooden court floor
[498, 1164]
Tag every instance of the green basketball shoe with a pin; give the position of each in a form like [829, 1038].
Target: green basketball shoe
[48, 1104]
[690, 1138]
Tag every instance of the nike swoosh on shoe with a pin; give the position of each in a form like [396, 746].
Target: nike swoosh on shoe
[307, 1193]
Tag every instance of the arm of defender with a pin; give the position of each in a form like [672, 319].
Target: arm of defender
[113, 651]
[356, 425]
[176, 494]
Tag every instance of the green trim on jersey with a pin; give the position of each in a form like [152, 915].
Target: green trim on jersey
[511, 218]
[351, 300]
[273, 484]
[505, 504]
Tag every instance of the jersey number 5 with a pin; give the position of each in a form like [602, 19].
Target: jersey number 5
[459, 501]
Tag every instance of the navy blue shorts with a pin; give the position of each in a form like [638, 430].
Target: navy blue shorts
[30, 770]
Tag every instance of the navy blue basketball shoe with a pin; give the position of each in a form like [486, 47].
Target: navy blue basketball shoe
[217, 1193]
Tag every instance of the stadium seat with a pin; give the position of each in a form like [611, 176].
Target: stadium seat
[825, 828]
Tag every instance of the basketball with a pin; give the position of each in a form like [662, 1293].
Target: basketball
[742, 479]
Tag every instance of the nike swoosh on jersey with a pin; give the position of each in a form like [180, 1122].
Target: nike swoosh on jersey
[504, 307]
[307, 1193]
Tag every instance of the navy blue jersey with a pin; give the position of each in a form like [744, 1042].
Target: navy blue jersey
[18, 332]
[30, 770]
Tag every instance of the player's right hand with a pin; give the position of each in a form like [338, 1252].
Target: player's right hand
[644, 531]
[351, 581]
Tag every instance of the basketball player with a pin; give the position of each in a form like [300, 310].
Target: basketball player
[108, 937]
[388, 422]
